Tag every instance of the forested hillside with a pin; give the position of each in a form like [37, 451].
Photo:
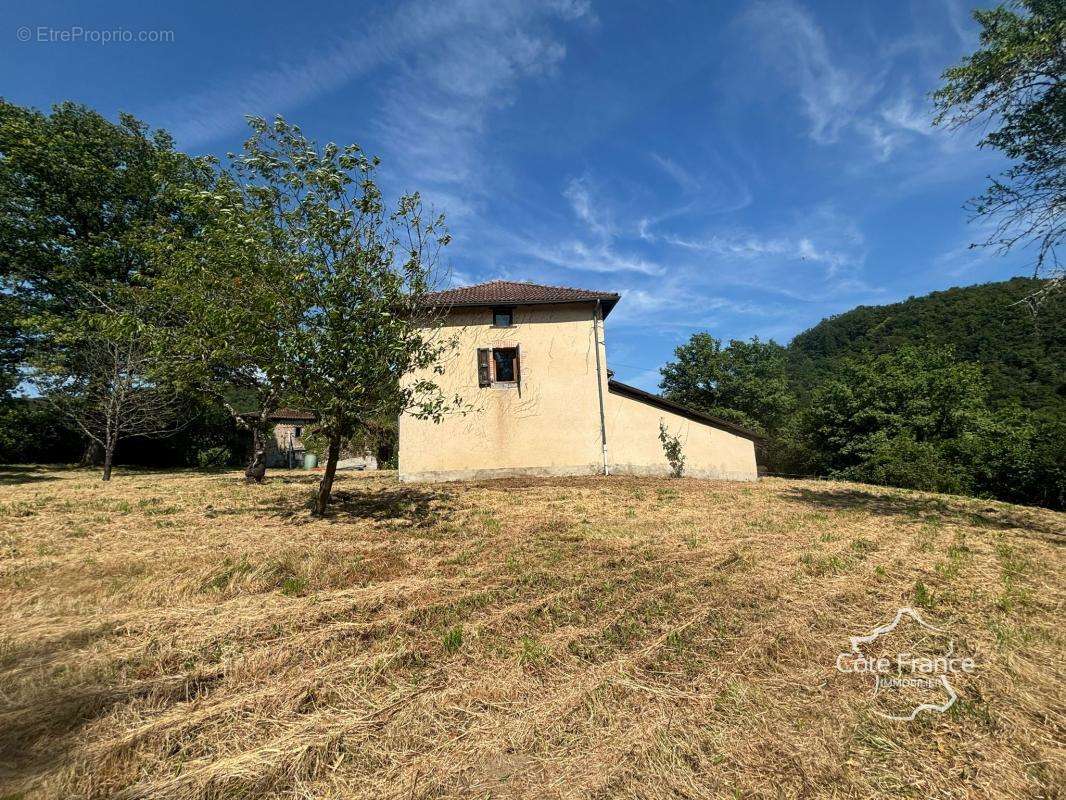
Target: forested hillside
[1022, 353]
[959, 391]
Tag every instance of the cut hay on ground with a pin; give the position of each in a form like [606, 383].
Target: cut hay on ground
[178, 635]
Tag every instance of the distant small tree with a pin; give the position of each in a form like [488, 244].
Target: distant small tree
[675, 456]
[1013, 84]
[365, 345]
[103, 391]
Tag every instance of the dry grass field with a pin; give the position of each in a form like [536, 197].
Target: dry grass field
[181, 635]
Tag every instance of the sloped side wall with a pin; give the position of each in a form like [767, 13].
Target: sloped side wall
[633, 445]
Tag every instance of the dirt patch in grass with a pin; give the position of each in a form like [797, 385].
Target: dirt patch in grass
[180, 635]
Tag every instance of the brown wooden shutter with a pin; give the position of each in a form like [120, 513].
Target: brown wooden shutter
[518, 366]
[484, 355]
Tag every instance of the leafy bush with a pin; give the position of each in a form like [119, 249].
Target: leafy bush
[902, 461]
[33, 431]
[672, 448]
[213, 457]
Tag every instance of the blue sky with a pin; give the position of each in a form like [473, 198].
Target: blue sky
[741, 168]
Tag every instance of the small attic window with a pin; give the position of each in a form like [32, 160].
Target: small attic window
[502, 317]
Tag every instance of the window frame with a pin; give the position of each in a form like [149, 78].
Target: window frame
[513, 380]
[486, 367]
[508, 310]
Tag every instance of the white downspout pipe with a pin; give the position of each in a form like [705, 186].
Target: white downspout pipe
[597, 316]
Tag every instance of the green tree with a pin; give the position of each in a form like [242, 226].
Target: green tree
[11, 346]
[1013, 84]
[76, 194]
[225, 307]
[361, 343]
[744, 382]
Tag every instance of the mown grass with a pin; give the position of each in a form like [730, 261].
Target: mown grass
[181, 635]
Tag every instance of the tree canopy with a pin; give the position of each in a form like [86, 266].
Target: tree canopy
[743, 381]
[77, 196]
[303, 285]
[1013, 84]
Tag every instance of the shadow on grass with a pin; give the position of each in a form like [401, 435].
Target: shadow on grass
[417, 507]
[918, 507]
[14, 474]
[43, 732]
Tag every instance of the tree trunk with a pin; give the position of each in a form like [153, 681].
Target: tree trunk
[109, 460]
[257, 467]
[325, 486]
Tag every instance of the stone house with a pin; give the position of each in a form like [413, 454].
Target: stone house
[286, 447]
[531, 369]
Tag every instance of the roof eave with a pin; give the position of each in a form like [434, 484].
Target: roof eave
[607, 301]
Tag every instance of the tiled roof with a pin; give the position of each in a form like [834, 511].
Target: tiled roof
[292, 413]
[518, 293]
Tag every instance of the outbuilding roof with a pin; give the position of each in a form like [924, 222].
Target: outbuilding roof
[285, 414]
[518, 293]
[293, 413]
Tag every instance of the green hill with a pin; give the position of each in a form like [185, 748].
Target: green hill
[1023, 353]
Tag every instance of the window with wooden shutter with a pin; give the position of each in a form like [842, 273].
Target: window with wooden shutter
[499, 366]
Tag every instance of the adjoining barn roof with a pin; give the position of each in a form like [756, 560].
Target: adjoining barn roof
[292, 413]
[516, 293]
[282, 414]
[669, 405]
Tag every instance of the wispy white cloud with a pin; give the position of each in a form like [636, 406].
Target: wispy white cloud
[746, 246]
[969, 256]
[582, 256]
[436, 112]
[908, 114]
[959, 17]
[677, 294]
[682, 177]
[596, 249]
[418, 31]
[840, 99]
[831, 95]
[579, 195]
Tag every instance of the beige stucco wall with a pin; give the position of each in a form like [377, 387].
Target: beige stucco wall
[634, 448]
[549, 427]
